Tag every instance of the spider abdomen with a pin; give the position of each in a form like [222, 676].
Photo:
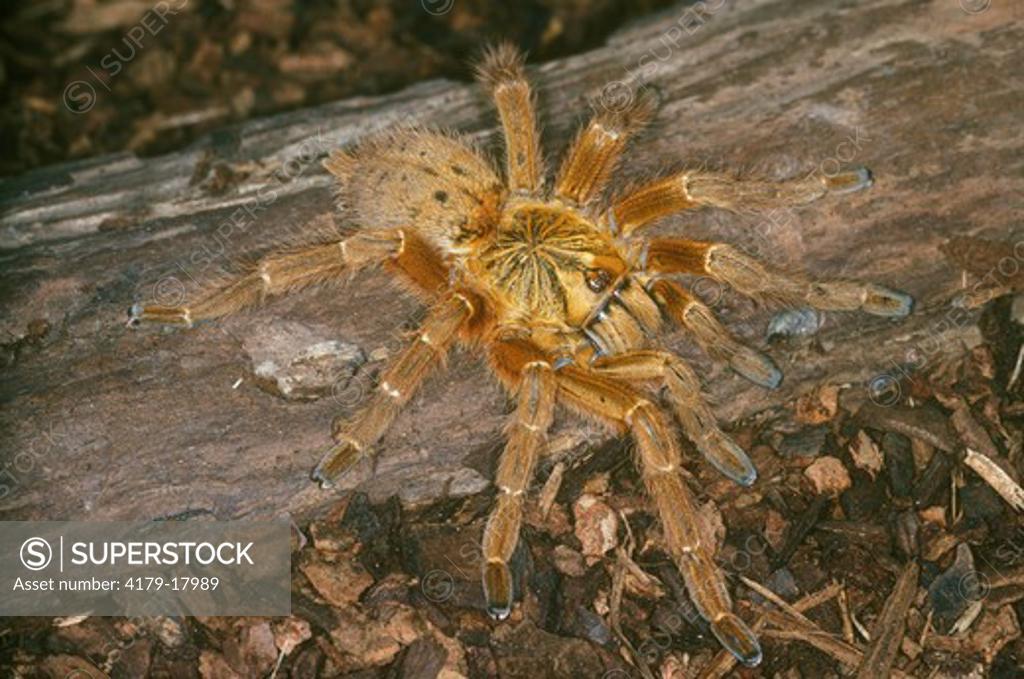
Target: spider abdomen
[423, 179]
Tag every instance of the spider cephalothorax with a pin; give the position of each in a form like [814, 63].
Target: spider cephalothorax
[564, 296]
[548, 265]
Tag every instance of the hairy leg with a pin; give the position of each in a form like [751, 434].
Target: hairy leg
[292, 270]
[684, 309]
[592, 157]
[693, 189]
[684, 393]
[527, 434]
[751, 277]
[397, 385]
[503, 74]
[659, 457]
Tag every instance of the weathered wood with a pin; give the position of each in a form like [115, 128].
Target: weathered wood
[102, 422]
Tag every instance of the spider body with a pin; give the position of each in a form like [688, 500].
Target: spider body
[546, 265]
[562, 293]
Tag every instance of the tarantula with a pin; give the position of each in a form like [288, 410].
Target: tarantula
[563, 294]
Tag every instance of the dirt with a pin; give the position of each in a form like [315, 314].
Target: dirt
[81, 78]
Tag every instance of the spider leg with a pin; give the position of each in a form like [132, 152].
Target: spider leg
[397, 385]
[625, 408]
[592, 156]
[717, 342]
[503, 74]
[684, 393]
[693, 189]
[751, 277]
[527, 435]
[289, 271]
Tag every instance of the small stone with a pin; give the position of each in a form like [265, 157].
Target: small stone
[828, 476]
[37, 328]
[793, 323]
[301, 362]
[169, 631]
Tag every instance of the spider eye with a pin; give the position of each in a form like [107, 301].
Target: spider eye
[597, 279]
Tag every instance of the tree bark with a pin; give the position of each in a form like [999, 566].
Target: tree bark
[103, 422]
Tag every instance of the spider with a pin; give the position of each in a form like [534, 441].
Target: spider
[558, 287]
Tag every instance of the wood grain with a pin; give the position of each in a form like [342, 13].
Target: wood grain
[102, 422]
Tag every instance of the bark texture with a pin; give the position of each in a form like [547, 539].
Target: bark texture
[102, 422]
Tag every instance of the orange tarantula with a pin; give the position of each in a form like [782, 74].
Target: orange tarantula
[563, 294]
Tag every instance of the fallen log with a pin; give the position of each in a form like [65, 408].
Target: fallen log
[227, 419]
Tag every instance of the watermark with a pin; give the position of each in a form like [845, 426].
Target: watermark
[619, 94]
[974, 6]
[757, 239]
[653, 648]
[52, 443]
[884, 389]
[192, 275]
[145, 568]
[437, 7]
[79, 96]
[437, 586]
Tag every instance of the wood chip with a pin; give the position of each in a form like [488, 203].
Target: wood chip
[828, 475]
[970, 430]
[550, 489]
[723, 663]
[994, 476]
[787, 627]
[888, 632]
[865, 453]
[818, 406]
[596, 526]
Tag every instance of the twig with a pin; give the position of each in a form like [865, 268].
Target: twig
[888, 632]
[550, 489]
[723, 663]
[623, 553]
[994, 476]
[774, 598]
[1016, 369]
[844, 612]
[793, 629]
